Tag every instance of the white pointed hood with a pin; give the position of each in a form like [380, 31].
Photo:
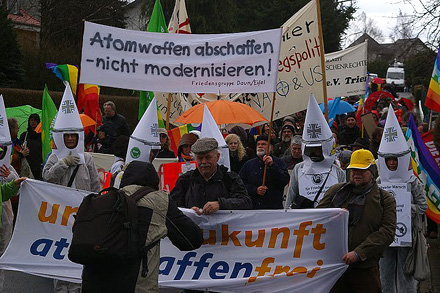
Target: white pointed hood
[393, 144]
[210, 129]
[68, 121]
[145, 137]
[5, 136]
[317, 133]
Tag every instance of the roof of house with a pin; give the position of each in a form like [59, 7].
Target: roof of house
[399, 50]
[24, 18]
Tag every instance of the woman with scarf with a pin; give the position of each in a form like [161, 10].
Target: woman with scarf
[184, 149]
[32, 140]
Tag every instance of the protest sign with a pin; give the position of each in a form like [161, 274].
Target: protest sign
[402, 194]
[43, 231]
[188, 63]
[264, 251]
[346, 71]
[310, 184]
[299, 73]
[299, 67]
[273, 250]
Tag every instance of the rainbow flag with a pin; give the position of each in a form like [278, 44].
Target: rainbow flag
[425, 169]
[65, 72]
[69, 73]
[433, 95]
[48, 113]
[176, 133]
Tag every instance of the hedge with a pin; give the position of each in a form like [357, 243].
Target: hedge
[125, 105]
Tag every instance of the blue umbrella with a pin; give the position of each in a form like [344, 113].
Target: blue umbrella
[341, 108]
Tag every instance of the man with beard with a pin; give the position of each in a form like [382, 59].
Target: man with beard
[371, 223]
[210, 187]
[287, 133]
[269, 195]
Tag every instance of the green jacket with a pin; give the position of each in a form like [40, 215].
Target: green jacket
[7, 191]
[376, 228]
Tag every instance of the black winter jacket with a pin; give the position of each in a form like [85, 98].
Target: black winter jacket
[192, 190]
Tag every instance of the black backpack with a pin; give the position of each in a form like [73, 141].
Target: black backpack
[107, 231]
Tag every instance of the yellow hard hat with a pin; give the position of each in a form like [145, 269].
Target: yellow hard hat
[361, 159]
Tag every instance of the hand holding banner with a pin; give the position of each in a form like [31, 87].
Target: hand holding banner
[273, 250]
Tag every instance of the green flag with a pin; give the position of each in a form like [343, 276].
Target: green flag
[144, 100]
[155, 25]
[48, 114]
[157, 20]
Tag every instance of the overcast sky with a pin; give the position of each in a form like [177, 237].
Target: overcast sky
[384, 12]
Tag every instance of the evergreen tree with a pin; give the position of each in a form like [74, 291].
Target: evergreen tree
[11, 70]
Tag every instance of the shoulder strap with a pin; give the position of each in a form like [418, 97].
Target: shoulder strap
[72, 177]
[144, 253]
[322, 187]
[140, 193]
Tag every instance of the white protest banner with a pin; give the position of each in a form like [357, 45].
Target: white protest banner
[43, 231]
[273, 251]
[261, 251]
[346, 71]
[402, 194]
[190, 63]
[299, 67]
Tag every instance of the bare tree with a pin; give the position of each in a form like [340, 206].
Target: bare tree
[361, 25]
[403, 28]
[426, 20]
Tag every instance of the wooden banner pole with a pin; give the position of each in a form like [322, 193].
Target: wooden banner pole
[270, 134]
[168, 111]
[321, 50]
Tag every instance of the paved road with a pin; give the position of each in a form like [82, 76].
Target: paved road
[17, 282]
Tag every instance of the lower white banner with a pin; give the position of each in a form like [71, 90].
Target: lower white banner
[276, 251]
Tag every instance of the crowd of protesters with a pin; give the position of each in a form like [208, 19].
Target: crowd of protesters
[341, 160]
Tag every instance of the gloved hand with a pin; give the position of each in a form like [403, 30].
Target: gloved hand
[70, 160]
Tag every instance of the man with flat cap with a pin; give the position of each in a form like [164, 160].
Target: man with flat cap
[210, 187]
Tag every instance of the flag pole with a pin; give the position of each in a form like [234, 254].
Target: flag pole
[430, 120]
[79, 65]
[168, 111]
[321, 50]
[269, 136]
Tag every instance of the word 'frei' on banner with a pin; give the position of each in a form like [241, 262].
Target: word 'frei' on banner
[268, 250]
[226, 237]
[278, 251]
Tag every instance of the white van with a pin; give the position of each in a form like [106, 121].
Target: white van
[396, 74]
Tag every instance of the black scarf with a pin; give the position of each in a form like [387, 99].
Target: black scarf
[356, 203]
